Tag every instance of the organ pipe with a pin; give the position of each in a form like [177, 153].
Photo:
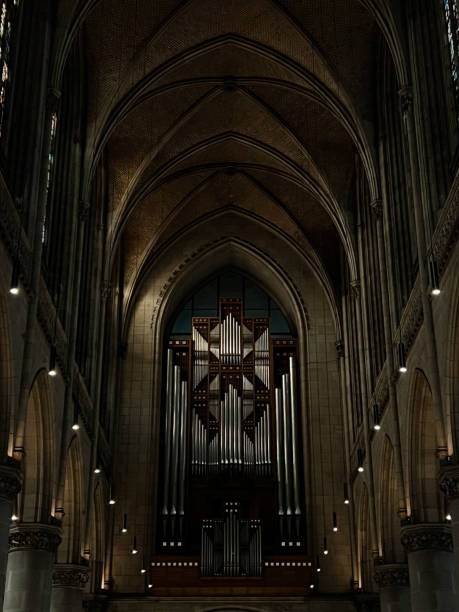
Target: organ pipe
[168, 428]
[292, 394]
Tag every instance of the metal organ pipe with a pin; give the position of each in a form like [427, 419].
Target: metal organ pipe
[292, 381]
[279, 458]
[168, 428]
[183, 411]
[175, 437]
[287, 438]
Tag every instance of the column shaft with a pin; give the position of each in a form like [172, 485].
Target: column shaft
[10, 485]
[32, 547]
[431, 567]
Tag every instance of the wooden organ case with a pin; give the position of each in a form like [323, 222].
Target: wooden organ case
[231, 507]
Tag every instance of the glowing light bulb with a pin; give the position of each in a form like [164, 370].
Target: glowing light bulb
[134, 551]
[436, 291]
[448, 517]
[403, 369]
[14, 290]
[97, 470]
[360, 468]
[346, 501]
[112, 502]
[75, 427]
[376, 426]
[14, 517]
[143, 570]
[311, 586]
[150, 586]
[52, 372]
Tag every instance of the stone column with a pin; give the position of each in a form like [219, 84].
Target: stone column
[394, 587]
[429, 547]
[68, 583]
[449, 484]
[32, 548]
[10, 485]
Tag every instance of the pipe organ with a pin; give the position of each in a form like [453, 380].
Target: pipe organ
[230, 423]
[231, 546]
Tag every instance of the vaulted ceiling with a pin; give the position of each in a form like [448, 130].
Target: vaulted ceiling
[256, 105]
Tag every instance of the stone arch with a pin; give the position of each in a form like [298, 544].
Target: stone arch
[36, 502]
[389, 496]
[69, 549]
[425, 496]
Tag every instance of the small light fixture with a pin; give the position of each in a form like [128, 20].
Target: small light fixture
[360, 460]
[335, 523]
[325, 546]
[402, 358]
[97, 470]
[75, 425]
[376, 424]
[14, 285]
[311, 586]
[124, 527]
[317, 564]
[433, 268]
[14, 517]
[150, 586]
[111, 499]
[134, 550]
[143, 571]
[52, 362]
[346, 494]
[448, 517]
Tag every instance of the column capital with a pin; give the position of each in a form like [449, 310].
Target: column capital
[70, 575]
[355, 288]
[448, 481]
[10, 482]
[427, 536]
[406, 99]
[377, 207]
[34, 536]
[339, 345]
[392, 575]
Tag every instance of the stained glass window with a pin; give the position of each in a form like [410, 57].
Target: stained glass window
[7, 17]
[49, 172]
[451, 17]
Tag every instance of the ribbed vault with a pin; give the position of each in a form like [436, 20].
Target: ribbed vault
[197, 106]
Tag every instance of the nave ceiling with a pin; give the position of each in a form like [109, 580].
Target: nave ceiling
[197, 106]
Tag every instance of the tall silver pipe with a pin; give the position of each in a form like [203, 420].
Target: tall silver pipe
[268, 419]
[168, 428]
[292, 380]
[235, 429]
[184, 405]
[239, 429]
[279, 458]
[287, 442]
[175, 437]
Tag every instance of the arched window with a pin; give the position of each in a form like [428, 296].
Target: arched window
[452, 30]
[232, 484]
[7, 22]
